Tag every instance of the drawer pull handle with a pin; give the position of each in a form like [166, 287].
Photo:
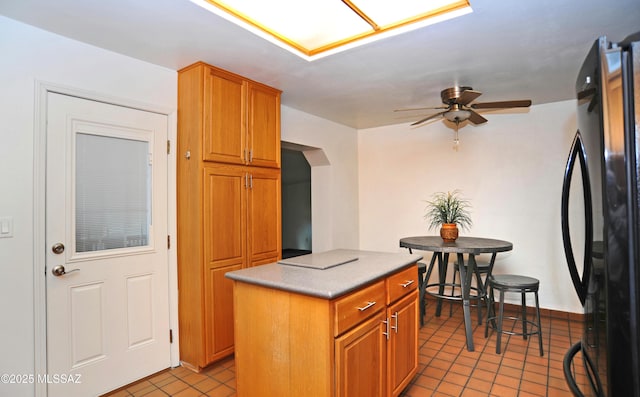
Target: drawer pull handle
[369, 304]
[408, 283]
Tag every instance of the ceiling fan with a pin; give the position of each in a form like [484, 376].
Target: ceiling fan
[458, 106]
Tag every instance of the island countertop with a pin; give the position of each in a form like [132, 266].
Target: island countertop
[327, 274]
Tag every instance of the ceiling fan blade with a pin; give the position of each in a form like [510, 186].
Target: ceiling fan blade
[409, 109]
[475, 118]
[503, 104]
[433, 116]
[467, 96]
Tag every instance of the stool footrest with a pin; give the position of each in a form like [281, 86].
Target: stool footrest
[516, 319]
[479, 294]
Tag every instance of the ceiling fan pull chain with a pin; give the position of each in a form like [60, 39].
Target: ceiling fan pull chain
[456, 140]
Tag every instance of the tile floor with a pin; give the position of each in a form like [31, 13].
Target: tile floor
[446, 368]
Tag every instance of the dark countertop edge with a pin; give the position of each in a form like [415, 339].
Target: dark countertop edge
[493, 245]
[243, 276]
[456, 250]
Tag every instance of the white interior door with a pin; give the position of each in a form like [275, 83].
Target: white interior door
[106, 236]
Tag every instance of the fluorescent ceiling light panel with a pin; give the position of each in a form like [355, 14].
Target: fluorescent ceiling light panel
[313, 29]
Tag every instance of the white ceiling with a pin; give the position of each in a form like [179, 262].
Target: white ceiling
[508, 49]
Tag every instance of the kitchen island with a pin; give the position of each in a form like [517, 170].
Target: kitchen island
[338, 323]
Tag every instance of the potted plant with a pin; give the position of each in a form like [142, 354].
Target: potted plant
[448, 211]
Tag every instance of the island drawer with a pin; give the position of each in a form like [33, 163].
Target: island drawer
[401, 283]
[358, 306]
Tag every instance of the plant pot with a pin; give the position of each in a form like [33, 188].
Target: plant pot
[449, 232]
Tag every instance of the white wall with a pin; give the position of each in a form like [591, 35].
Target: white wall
[334, 187]
[511, 170]
[30, 55]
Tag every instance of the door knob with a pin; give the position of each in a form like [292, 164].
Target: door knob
[57, 248]
[60, 271]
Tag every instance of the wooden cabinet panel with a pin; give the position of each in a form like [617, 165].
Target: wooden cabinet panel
[225, 215]
[219, 313]
[282, 344]
[403, 339]
[224, 135]
[264, 215]
[400, 284]
[361, 356]
[264, 126]
[358, 306]
[241, 120]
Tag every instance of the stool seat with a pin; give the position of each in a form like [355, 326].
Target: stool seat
[483, 267]
[514, 282]
[504, 283]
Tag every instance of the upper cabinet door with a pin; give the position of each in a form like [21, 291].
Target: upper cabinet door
[263, 126]
[241, 121]
[224, 118]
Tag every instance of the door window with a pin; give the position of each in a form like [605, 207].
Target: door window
[112, 193]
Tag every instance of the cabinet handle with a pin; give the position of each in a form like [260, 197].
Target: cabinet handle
[395, 316]
[369, 304]
[245, 155]
[386, 322]
[248, 181]
[251, 155]
[408, 283]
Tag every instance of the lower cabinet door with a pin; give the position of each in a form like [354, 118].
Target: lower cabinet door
[361, 356]
[403, 343]
[219, 313]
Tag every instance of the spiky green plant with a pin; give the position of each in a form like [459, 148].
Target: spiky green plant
[448, 207]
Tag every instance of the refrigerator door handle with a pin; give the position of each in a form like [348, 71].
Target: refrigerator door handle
[577, 153]
[568, 375]
[595, 384]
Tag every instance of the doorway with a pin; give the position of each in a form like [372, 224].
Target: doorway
[296, 202]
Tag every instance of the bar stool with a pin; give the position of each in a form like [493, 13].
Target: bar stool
[513, 283]
[422, 269]
[483, 269]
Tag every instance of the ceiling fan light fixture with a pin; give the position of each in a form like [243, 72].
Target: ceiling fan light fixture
[457, 115]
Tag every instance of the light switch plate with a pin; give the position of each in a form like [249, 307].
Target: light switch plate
[6, 226]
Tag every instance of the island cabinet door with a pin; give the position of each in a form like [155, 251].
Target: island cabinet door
[403, 343]
[361, 356]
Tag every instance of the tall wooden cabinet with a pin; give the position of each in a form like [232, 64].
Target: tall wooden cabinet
[229, 200]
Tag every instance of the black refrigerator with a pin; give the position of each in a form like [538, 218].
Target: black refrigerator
[600, 221]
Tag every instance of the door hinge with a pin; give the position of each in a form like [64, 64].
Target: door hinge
[168, 146]
[168, 242]
[170, 336]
